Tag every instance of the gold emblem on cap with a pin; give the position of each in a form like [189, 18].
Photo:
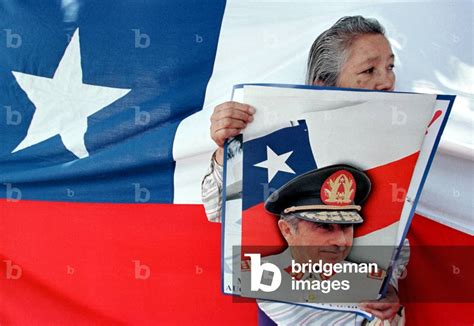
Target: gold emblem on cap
[334, 196]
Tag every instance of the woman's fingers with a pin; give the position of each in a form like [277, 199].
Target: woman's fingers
[228, 119]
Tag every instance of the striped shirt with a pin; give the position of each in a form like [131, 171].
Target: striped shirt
[291, 314]
[211, 191]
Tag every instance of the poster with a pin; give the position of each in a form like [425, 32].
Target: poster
[391, 137]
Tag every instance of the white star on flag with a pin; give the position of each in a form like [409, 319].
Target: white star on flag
[63, 103]
[275, 163]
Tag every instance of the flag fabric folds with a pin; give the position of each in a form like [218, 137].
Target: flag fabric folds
[104, 137]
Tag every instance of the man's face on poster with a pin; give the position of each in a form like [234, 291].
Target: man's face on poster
[310, 240]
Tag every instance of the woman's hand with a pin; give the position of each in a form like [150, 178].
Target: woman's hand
[228, 120]
[384, 309]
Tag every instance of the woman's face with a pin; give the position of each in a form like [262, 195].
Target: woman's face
[369, 64]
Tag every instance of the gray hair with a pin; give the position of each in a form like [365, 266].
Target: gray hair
[292, 220]
[329, 50]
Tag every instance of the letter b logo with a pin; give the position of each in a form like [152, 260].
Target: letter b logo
[257, 270]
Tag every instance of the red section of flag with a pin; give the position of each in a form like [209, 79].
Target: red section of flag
[390, 184]
[98, 264]
[436, 115]
[434, 273]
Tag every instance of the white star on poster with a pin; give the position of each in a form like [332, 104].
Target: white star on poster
[63, 103]
[275, 163]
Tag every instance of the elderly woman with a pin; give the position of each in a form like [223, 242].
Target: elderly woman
[353, 53]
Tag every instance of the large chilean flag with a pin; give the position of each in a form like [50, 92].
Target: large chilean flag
[104, 121]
